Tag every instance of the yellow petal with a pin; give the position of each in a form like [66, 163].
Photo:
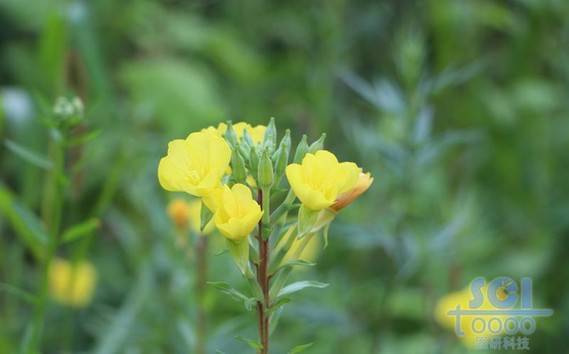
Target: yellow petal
[195, 165]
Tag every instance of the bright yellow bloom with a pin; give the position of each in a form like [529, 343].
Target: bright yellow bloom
[219, 130]
[236, 212]
[72, 284]
[194, 165]
[321, 179]
[462, 298]
[257, 133]
[364, 182]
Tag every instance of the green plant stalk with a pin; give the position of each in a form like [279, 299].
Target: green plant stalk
[53, 204]
[201, 286]
[263, 306]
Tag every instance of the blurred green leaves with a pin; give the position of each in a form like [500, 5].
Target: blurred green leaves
[180, 97]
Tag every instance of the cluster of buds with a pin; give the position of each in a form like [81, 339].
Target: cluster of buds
[68, 111]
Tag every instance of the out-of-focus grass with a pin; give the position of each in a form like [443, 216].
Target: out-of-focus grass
[459, 109]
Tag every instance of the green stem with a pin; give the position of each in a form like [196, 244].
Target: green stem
[201, 284]
[53, 203]
[263, 306]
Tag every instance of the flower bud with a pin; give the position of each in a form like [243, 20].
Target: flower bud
[179, 213]
[231, 135]
[239, 172]
[69, 112]
[270, 140]
[266, 175]
[318, 144]
[301, 150]
[281, 156]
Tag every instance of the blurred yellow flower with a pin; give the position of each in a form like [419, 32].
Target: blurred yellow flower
[236, 212]
[185, 215]
[364, 182]
[194, 165]
[72, 284]
[462, 298]
[320, 179]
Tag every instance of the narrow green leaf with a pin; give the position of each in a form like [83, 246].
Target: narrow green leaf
[292, 263]
[24, 222]
[299, 285]
[252, 343]
[22, 294]
[80, 230]
[300, 348]
[83, 139]
[28, 155]
[278, 304]
[234, 293]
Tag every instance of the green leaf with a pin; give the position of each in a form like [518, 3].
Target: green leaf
[28, 155]
[299, 285]
[325, 233]
[300, 348]
[252, 343]
[278, 304]
[80, 230]
[22, 294]
[234, 293]
[205, 217]
[83, 139]
[292, 263]
[24, 222]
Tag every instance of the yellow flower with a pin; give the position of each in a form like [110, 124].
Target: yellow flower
[257, 133]
[194, 165]
[364, 182]
[236, 212]
[219, 130]
[72, 284]
[320, 179]
[185, 214]
[462, 298]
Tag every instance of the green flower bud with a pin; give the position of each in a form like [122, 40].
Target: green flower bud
[247, 138]
[281, 156]
[230, 135]
[254, 160]
[239, 171]
[266, 177]
[68, 111]
[301, 150]
[318, 144]
[270, 140]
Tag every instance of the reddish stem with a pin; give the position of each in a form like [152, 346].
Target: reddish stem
[263, 280]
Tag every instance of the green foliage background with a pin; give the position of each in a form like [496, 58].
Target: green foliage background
[458, 108]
